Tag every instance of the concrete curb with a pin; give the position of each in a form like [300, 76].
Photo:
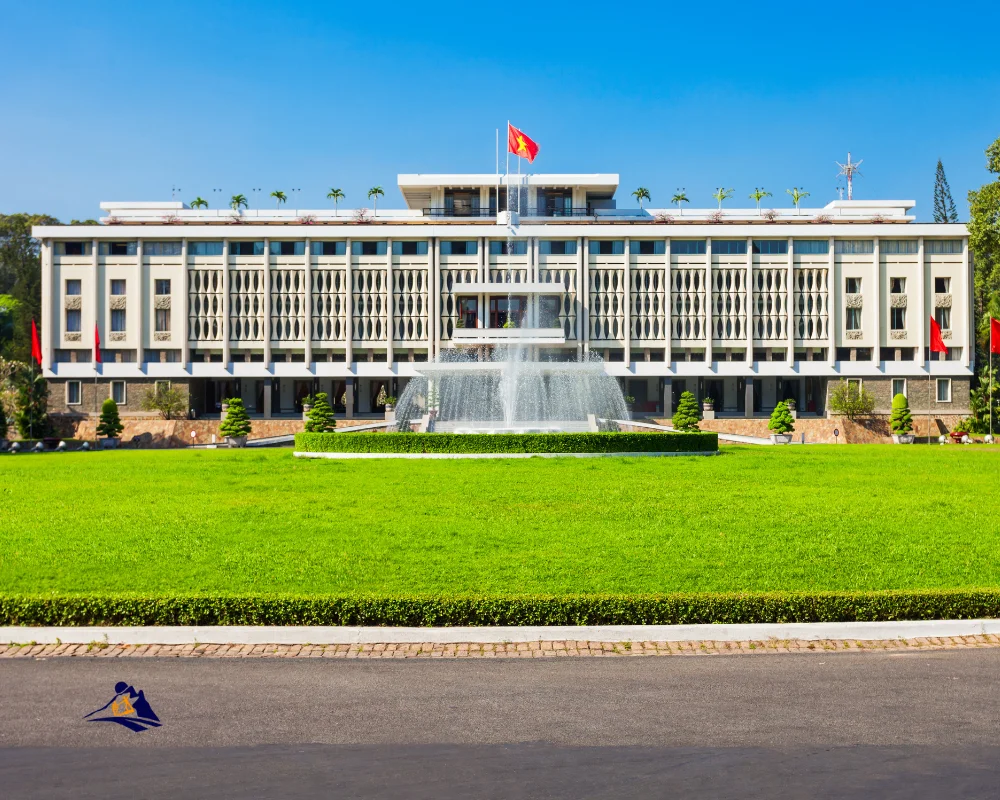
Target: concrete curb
[299, 454]
[304, 634]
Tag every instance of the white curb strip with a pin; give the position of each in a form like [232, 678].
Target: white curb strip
[305, 634]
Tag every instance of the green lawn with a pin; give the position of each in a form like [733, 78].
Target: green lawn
[760, 519]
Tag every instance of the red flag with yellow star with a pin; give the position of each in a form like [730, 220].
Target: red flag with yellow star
[520, 144]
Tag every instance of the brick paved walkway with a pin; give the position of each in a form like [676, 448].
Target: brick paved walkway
[510, 650]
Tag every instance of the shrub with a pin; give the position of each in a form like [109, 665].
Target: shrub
[110, 423]
[901, 420]
[31, 405]
[320, 418]
[171, 403]
[781, 419]
[237, 422]
[687, 416]
[506, 442]
[851, 400]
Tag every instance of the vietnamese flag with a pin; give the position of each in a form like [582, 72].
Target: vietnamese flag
[520, 144]
[994, 335]
[937, 342]
[97, 345]
[36, 346]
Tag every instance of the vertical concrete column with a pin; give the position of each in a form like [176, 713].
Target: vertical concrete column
[968, 351]
[627, 302]
[922, 307]
[51, 301]
[668, 394]
[668, 298]
[349, 405]
[349, 307]
[748, 398]
[790, 300]
[267, 397]
[748, 302]
[185, 327]
[579, 294]
[708, 302]
[484, 261]
[388, 304]
[307, 299]
[584, 293]
[140, 324]
[832, 304]
[267, 306]
[226, 355]
[435, 298]
[484, 244]
[879, 316]
[100, 292]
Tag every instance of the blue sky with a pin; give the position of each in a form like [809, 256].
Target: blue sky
[123, 100]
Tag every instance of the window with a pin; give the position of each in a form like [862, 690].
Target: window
[942, 285]
[72, 287]
[610, 247]
[940, 247]
[852, 285]
[557, 247]
[503, 309]
[118, 286]
[246, 248]
[516, 247]
[855, 383]
[897, 285]
[118, 392]
[73, 393]
[468, 312]
[73, 320]
[161, 386]
[467, 247]
[329, 248]
[656, 247]
[770, 247]
[854, 319]
[205, 248]
[118, 320]
[367, 248]
[854, 247]
[409, 248]
[162, 285]
[811, 247]
[288, 248]
[943, 317]
[729, 247]
[118, 248]
[897, 319]
[899, 386]
[162, 320]
[687, 247]
[902, 247]
[944, 390]
[72, 248]
[163, 248]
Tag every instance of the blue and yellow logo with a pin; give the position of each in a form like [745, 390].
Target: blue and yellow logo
[129, 708]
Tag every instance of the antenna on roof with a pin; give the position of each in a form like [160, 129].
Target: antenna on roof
[849, 170]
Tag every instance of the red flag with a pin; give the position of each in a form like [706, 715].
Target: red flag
[97, 345]
[520, 144]
[36, 346]
[994, 335]
[937, 342]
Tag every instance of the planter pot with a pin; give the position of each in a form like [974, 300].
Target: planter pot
[305, 412]
[110, 442]
[902, 438]
[236, 441]
[781, 438]
[708, 410]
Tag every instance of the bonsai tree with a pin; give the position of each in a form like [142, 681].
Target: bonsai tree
[721, 194]
[336, 195]
[237, 201]
[797, 196]
[640, 194]
[374, 194]
[757, 195]
[199, 202]
[679, 198]
[237, 422]
[901, 420]
[781, 419]
[320, 417]
[279, 198]
[110, 423]
[170, 403]
[687, 416]
[851, 400]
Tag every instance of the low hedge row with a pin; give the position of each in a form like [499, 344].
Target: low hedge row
[506, 442]
[518, 610]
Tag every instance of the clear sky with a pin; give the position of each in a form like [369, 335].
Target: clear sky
[125, 100]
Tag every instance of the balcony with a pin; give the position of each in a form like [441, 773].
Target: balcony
[507, 288]
[546, 336]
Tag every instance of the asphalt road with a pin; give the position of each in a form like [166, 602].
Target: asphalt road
[842, 725]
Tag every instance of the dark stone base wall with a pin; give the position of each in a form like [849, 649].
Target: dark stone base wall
[92, 395]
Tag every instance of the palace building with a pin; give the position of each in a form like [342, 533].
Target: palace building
[747, 307]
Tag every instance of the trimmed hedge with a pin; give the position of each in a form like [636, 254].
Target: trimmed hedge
[506, 442]
[418, 611]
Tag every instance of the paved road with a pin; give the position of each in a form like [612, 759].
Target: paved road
[907, 725]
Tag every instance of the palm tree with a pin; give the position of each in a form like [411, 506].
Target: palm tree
[721, 194]
[758, 195]
[679, 198]
[199, 202]
[237, 201]
[336, 195]
[279, 198]
[374, 194]
[797, 195]
[640, 194]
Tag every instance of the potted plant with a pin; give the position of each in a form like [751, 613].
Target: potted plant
[901, 420]
[781, 425]
[390, 403]
[109, 426]
[236, 426]
[307, 405]
[686, 418]
[320, 418]
[708, 408]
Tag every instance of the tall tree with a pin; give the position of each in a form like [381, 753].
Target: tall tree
[944, 205]
[21, 276]
[984, 244]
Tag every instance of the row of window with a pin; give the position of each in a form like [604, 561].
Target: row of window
[74, 393]
[942, 388]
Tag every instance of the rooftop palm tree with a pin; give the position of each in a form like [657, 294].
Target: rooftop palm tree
[722, 194]
[237, 201]
[640, 194]
[374, 194]
[279, 198]
[797, 196]
[336, 195]
[758, 195]
[679, 198]
[199, 202]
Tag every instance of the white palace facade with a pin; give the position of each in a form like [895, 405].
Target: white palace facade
[744, 306]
